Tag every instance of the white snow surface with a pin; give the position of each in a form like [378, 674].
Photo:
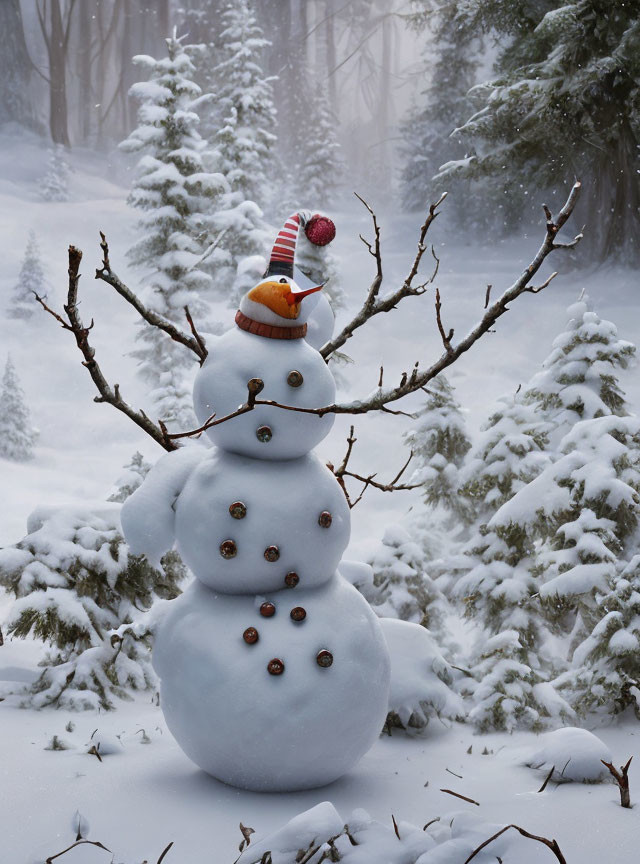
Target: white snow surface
[575, 754]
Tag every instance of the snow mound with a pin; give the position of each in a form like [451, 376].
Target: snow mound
[420, 676]
[320, 834]
[576, 755]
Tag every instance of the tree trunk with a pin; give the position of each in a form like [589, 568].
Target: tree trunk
[58, 119]
[15, 67]
[330, 47]
[84, 69]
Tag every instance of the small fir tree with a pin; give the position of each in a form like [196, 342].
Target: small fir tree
[402, 585]
[75, 583]
[31, 281]
[440, 444]
[578, 379]
[17, 435]
[175, 193]
[54, 186]
[134, 473]
[605, 673]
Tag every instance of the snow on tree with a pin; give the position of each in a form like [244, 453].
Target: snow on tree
[450, 63]
[175, 193]
[578, 379]
[440, 444]
[319, 172]
[54, 186]
[133, 474]
[75, 582]
[585, 508]
[30, 281]
[17, 435]
[566, 72]
[605, 673]
[402, 585]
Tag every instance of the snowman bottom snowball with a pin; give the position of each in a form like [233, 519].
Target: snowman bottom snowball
[265, 727]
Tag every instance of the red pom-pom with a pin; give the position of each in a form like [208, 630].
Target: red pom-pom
[320, 230]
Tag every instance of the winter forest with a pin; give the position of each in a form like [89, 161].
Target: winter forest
[284, 579]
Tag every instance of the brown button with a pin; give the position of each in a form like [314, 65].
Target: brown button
[275, 667]
[324, 658]
[238, 510]
[294, 378]
[272, 553]
[325, 519]
[291, 580]
[228, 549]
[250, 635]
[264, 434]
[267, 609]
[298, 613]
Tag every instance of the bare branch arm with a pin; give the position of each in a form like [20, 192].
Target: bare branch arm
[195, 343]
[81, 333]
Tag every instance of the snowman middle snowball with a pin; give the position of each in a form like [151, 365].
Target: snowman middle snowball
[274, 670]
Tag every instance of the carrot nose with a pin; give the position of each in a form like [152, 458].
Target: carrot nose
[292, 298]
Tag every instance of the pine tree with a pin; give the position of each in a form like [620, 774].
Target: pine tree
[245, 141]
[605, 673]
[17, 435]
[320, 168]
[54, 186]
[175, 193]
[440, 444]
[30, 281]
[402, 586]
[450, 65]
[75, 583]
[578, 379]
[568, 73]
[134, 473]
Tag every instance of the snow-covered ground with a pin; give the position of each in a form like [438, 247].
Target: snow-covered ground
[140, 799]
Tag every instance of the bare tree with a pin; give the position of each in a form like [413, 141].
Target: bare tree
[56, 40]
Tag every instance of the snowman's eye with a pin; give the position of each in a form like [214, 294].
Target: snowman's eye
[294, 378]
[283, 281]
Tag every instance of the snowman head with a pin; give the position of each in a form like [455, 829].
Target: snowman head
[276, 301]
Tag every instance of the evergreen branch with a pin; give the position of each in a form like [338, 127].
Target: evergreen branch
[194, 343]
[81, 333]
[372, 305]
[551, 844]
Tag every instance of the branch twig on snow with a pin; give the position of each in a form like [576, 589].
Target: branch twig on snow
[622, 779]
[550, 844]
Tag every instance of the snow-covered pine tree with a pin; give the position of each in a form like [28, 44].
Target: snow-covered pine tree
[402, 585]
[245, 142]
[133, 474]
[578, 379]
[175, 193]
[17, 435]
[567, 72]
[450, 65]
[440, 444]
[30, 281]
[319, 174]
[605, 672]
[54, 186]
[494, 576]
[75, 583]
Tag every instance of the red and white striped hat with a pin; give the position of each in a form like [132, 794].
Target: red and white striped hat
[320, 231]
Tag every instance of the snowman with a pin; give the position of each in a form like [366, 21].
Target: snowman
[274, 670]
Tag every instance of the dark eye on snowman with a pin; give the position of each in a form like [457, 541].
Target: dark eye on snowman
[283, 281]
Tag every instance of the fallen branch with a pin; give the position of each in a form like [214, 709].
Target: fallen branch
[548, 777]
[194, 342]
[464, 797]
[73, 846]
[551, 844]
[622, 779]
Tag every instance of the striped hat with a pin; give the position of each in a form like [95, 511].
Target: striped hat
[320, 231]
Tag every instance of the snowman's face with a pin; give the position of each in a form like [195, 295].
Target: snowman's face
[279, 295]
[293, 374]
